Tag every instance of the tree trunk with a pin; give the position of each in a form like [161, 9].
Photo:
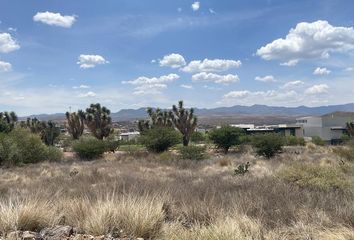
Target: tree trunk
[185, 141]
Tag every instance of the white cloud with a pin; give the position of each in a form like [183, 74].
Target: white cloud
[54, 19]
[237, 94]
[321, 71]
[293, 84]
[349, 69]
[11, 29]
[216, 65]
[290, 63]
[81, 86]
[309, 41]
[212, 11]
[7, 43]
[173, 60]
[88, 94]
[91, 61]
[268, 78]
[195, 6]
[186, 86]
[212, 77]
[317, 89]
[5, 66]
[154, 85]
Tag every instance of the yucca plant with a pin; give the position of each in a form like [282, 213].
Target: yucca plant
[7, 121]
[157, 118]
[75, 123]
[98, 120]
[184, 120]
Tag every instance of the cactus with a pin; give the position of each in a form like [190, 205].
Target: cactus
[76, 123]
[7, 121]
[48, 131]
[98, 121]
[184, 120]
[350, 129]
[156, 118]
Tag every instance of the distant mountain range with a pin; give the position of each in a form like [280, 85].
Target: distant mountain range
[254, 110]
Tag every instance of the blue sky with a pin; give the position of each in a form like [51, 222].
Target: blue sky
[129, 54]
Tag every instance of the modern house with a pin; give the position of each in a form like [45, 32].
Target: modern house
[283, 129]
[128, 136]
[330, 127]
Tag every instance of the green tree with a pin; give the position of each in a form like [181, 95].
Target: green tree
[160, 139]
[99, 121]
[184, 120]
[7, 121]
[76, 123]
[268, 145]
[226, 137]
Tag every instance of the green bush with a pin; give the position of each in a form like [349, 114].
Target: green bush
[54, 154]
[294, 141]
[160, 139]
[89, 148]
[315, 176]
[318, 141]
[192, 152]
[20, 146]
[268, 145]
[198, 137]
[111, 145]
[226, 137]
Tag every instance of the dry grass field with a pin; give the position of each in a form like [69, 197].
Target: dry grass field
[150, 196]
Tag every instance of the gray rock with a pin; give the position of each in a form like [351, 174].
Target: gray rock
[27, 235]
[56, 233]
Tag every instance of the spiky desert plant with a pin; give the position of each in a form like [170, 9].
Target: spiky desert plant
[350, 129]
[76, 123]
[184, 120]
[50, 131]
[34, 125]
[157, 118]
[98, 120]
[7, 121]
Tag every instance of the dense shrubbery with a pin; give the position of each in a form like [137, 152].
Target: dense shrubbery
[89, 147]
[20, 146]
[318, 141]
[268, 145]
[198, 137]
[294, 141]
[226, 137]
[192, 152]
[111, 145]
[160, 139]
[315, 176]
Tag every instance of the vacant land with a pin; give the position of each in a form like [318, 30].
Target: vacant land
[160, 197]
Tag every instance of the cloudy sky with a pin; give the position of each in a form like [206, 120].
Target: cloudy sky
[130, 54]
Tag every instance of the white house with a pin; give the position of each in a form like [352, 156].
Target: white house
[128, 136]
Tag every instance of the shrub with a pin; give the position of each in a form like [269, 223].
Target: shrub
[54, 154]
[111, 145]
[198, 137]
[226, 137]
[315, 176]
[89, 148]
[318, 141]
[268, 145]
[21, 146]
[345, 152]
[192, 152]
[295, 141]
[160, 139]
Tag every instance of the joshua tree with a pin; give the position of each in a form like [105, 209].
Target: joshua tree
[48, 131]
[350, 129]
[34, 125]
[184, 120]
[98, 120]
[156, 118]
[7, 121]
[76, 123]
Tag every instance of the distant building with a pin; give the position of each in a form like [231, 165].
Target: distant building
[128, 136]
[283, 129]
[330, 127]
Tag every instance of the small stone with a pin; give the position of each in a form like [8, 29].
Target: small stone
[56, 233]
[27, 235]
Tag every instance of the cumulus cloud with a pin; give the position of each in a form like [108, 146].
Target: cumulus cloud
[195, 6]
[237, 94]
[268, 78]
[212, 11]
[309, 41]
[145, 85]
[317, 89]
[5, 66]
[54, 19]
[173, 60]
[81, 86]
[212, 77]
[91, 61]
[293, 84]
[290, 63]
[7, 43]
[321, 71]
[186, 86]
[88, 94]
[215, 65]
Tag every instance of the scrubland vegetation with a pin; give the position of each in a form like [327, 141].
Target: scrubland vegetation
[173, 184]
